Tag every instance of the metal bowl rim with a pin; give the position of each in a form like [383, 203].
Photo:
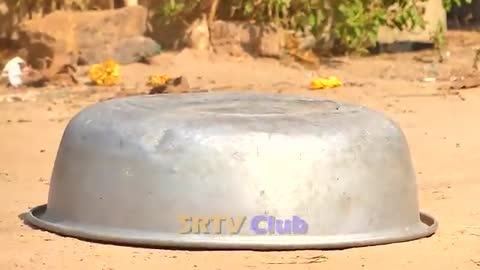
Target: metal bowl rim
[168, 240]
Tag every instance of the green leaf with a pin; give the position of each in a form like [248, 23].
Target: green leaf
[312, 20]
[248, 8]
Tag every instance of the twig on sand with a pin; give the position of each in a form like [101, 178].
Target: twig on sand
[311, 260]
[453, 93]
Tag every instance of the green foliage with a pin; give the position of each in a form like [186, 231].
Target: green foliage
[358, 21]
[358, 25]
[48, 4]
[348, 25]
[439, 40]
[343, 25]
[449, 4]
[173, 9]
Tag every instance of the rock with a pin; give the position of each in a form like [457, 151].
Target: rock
[307, 42]
[270, 42]
[233, 38]
[135, 49]
[178, 85]
[239, 38]
[198, 35]
[175, 85]
[91, 35]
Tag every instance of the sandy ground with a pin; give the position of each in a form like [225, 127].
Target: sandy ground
[442, 133]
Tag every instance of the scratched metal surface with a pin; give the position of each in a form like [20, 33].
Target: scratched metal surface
[127, 170]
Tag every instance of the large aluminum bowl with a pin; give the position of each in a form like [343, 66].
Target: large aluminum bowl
[128, 169]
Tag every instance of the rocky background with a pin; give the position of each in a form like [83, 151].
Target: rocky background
[127, 32]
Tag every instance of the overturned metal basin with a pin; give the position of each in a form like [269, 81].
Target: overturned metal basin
[284, 172]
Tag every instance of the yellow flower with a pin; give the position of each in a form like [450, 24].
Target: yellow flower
[325, 83]
[106, 74]
[95, 72]
[158, 79]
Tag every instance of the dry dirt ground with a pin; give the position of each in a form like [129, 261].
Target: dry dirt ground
[442, 133]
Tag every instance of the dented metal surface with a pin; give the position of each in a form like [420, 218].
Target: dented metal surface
[129, 170]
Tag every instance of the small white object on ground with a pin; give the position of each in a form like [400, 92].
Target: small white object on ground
[13, 71]
[429, 79]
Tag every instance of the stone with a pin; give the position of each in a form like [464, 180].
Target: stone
[232, 38]
[91, 35]
[175, 85]
[135, 49]
[270, 42]
[239, 38]
[198, 35]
